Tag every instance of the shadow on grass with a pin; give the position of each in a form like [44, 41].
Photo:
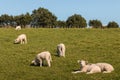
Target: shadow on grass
[43, 65]
[76, 70]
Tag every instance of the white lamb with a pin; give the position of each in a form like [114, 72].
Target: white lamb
[105, 67]
[42, 56]
[18, 28]
[88, 68]
[22, 39]
[61, 49]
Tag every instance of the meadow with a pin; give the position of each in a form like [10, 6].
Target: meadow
[93, 45]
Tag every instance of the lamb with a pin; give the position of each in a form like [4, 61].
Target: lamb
[89, 68]
[105, 67]
[42, 56]
[94, 68]
[61, 49]
[22, 39]
[18, 28]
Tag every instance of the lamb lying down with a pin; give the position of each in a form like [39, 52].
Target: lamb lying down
[88, 68]
[94, 68]
[105, 67]
[41, 57]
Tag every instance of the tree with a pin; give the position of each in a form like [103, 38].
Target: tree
[95, 23]
[112, 24]
[76, 21]
[61, 24]
[23, 20]
[28, 18]
[20, 20]
[43, 17]
[6, 20]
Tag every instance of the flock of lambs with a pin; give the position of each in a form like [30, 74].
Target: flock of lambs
[89, 68]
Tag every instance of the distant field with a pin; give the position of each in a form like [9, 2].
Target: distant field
[93, 45]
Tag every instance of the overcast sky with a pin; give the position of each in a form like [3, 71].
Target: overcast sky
[103, 10]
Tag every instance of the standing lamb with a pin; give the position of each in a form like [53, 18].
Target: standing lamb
[105, 67]
[42, 56]
[89, 68]
[18, 28]
[22, 39]
[61, 49]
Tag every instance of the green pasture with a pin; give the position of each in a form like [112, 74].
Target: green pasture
[93, 45]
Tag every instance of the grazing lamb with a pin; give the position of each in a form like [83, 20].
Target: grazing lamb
[61, 49]
[89, 68]
[42, 56]
[18, 28]
[22, 39]
[105, 67]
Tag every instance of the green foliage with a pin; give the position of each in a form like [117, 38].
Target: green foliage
[112, 24]
[76, 21]
[95, 23]
[61, 24]
[6, 19]
[23, 20]
[43, 17]
[94, 45]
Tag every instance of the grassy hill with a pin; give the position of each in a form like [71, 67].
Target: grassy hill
[93, 45]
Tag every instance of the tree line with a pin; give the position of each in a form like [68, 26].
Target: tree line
[43, 18]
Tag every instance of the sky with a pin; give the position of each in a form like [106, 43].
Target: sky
[103, 10]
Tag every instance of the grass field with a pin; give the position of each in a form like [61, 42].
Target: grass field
[93, 45]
